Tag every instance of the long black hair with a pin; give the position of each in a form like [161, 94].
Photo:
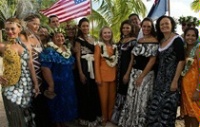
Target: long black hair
[80, 33]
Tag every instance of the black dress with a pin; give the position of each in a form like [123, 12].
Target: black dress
[123, 63]
[163, 107]
[88, 98]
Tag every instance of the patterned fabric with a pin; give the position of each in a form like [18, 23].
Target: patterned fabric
[19, 96]
[134, 111]
[88, 97]
[124, 50]
[164, 103]
[64, 106]
[36, 50]
[189, 83]
[12, 66]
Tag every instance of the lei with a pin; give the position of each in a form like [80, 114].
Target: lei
[189, 19]
[189, 60]
[66, 54]
[110, 60]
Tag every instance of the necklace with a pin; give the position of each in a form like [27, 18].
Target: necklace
[166, 39]
[66, 54]
[110, 60]
[189, 60]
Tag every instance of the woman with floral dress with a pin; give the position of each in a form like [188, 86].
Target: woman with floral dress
[141, 82]
[18, 78]
[87, 91]
[166, 95]
[125, 45]
[56, 61]
[190, 83]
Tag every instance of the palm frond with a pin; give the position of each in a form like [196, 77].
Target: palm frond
[195, 5]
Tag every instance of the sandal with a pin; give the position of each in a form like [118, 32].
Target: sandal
[49, 94]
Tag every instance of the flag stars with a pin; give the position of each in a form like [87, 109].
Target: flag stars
[79, 1]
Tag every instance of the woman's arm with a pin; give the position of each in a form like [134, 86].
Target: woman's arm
[47, 74]
[179, 68]
[97, 58]
[30, 64]
[197, 91]
[146, 70]
[127, 74]
[78, 58]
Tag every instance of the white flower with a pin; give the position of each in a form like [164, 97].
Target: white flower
[110, 60]
[66, 54]
[189, 61]
[59, 50]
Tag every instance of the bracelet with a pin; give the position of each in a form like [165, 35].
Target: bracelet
[197, 89]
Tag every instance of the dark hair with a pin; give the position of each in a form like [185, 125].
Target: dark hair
[134, 14]
[134, 29]
[31, 17]
[80, 33]
[195, 31]
[52, 16]
[160, 35]
[153, 32]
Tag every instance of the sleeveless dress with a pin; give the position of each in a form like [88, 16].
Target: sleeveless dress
[17, 99]
[40, 102]
[189, 83]
[124, 50]
[63, 107]
[134, 111]
[164, 103]
[88, 97]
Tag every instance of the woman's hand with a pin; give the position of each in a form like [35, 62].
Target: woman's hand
[3, 80]
[98, 82]
[125, 79]
[83, 78]
[195, 96]
[139, 81]
[36, 90]
[174, 86]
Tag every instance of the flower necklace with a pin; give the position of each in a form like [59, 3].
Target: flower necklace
[110, 60]
[189, 60]
[66, 54]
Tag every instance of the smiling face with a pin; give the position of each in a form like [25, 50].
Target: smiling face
[12, 29]
[135, 20]
[106, 35]
[85, 27]
[54, 22]
[126, 29]
[165, 25]
[58, 39]
[190, 37]
[34, 25]
[146, 27]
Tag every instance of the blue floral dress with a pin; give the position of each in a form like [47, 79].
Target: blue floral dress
[64, 106]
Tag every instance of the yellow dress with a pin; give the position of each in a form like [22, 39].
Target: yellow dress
[12, 66]
[189, 107]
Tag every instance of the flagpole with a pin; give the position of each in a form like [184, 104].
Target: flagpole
[169, 13]
[92, 17]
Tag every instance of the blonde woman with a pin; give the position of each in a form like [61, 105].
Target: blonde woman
[105, 59]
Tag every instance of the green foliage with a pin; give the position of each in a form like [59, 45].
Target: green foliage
[195, 5]
[112, 12]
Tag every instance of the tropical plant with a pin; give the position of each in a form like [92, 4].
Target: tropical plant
[195, 5]
[112, 12]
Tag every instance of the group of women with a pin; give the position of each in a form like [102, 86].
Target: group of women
[134, 83]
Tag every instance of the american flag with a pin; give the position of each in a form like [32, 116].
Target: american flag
[68, 9]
